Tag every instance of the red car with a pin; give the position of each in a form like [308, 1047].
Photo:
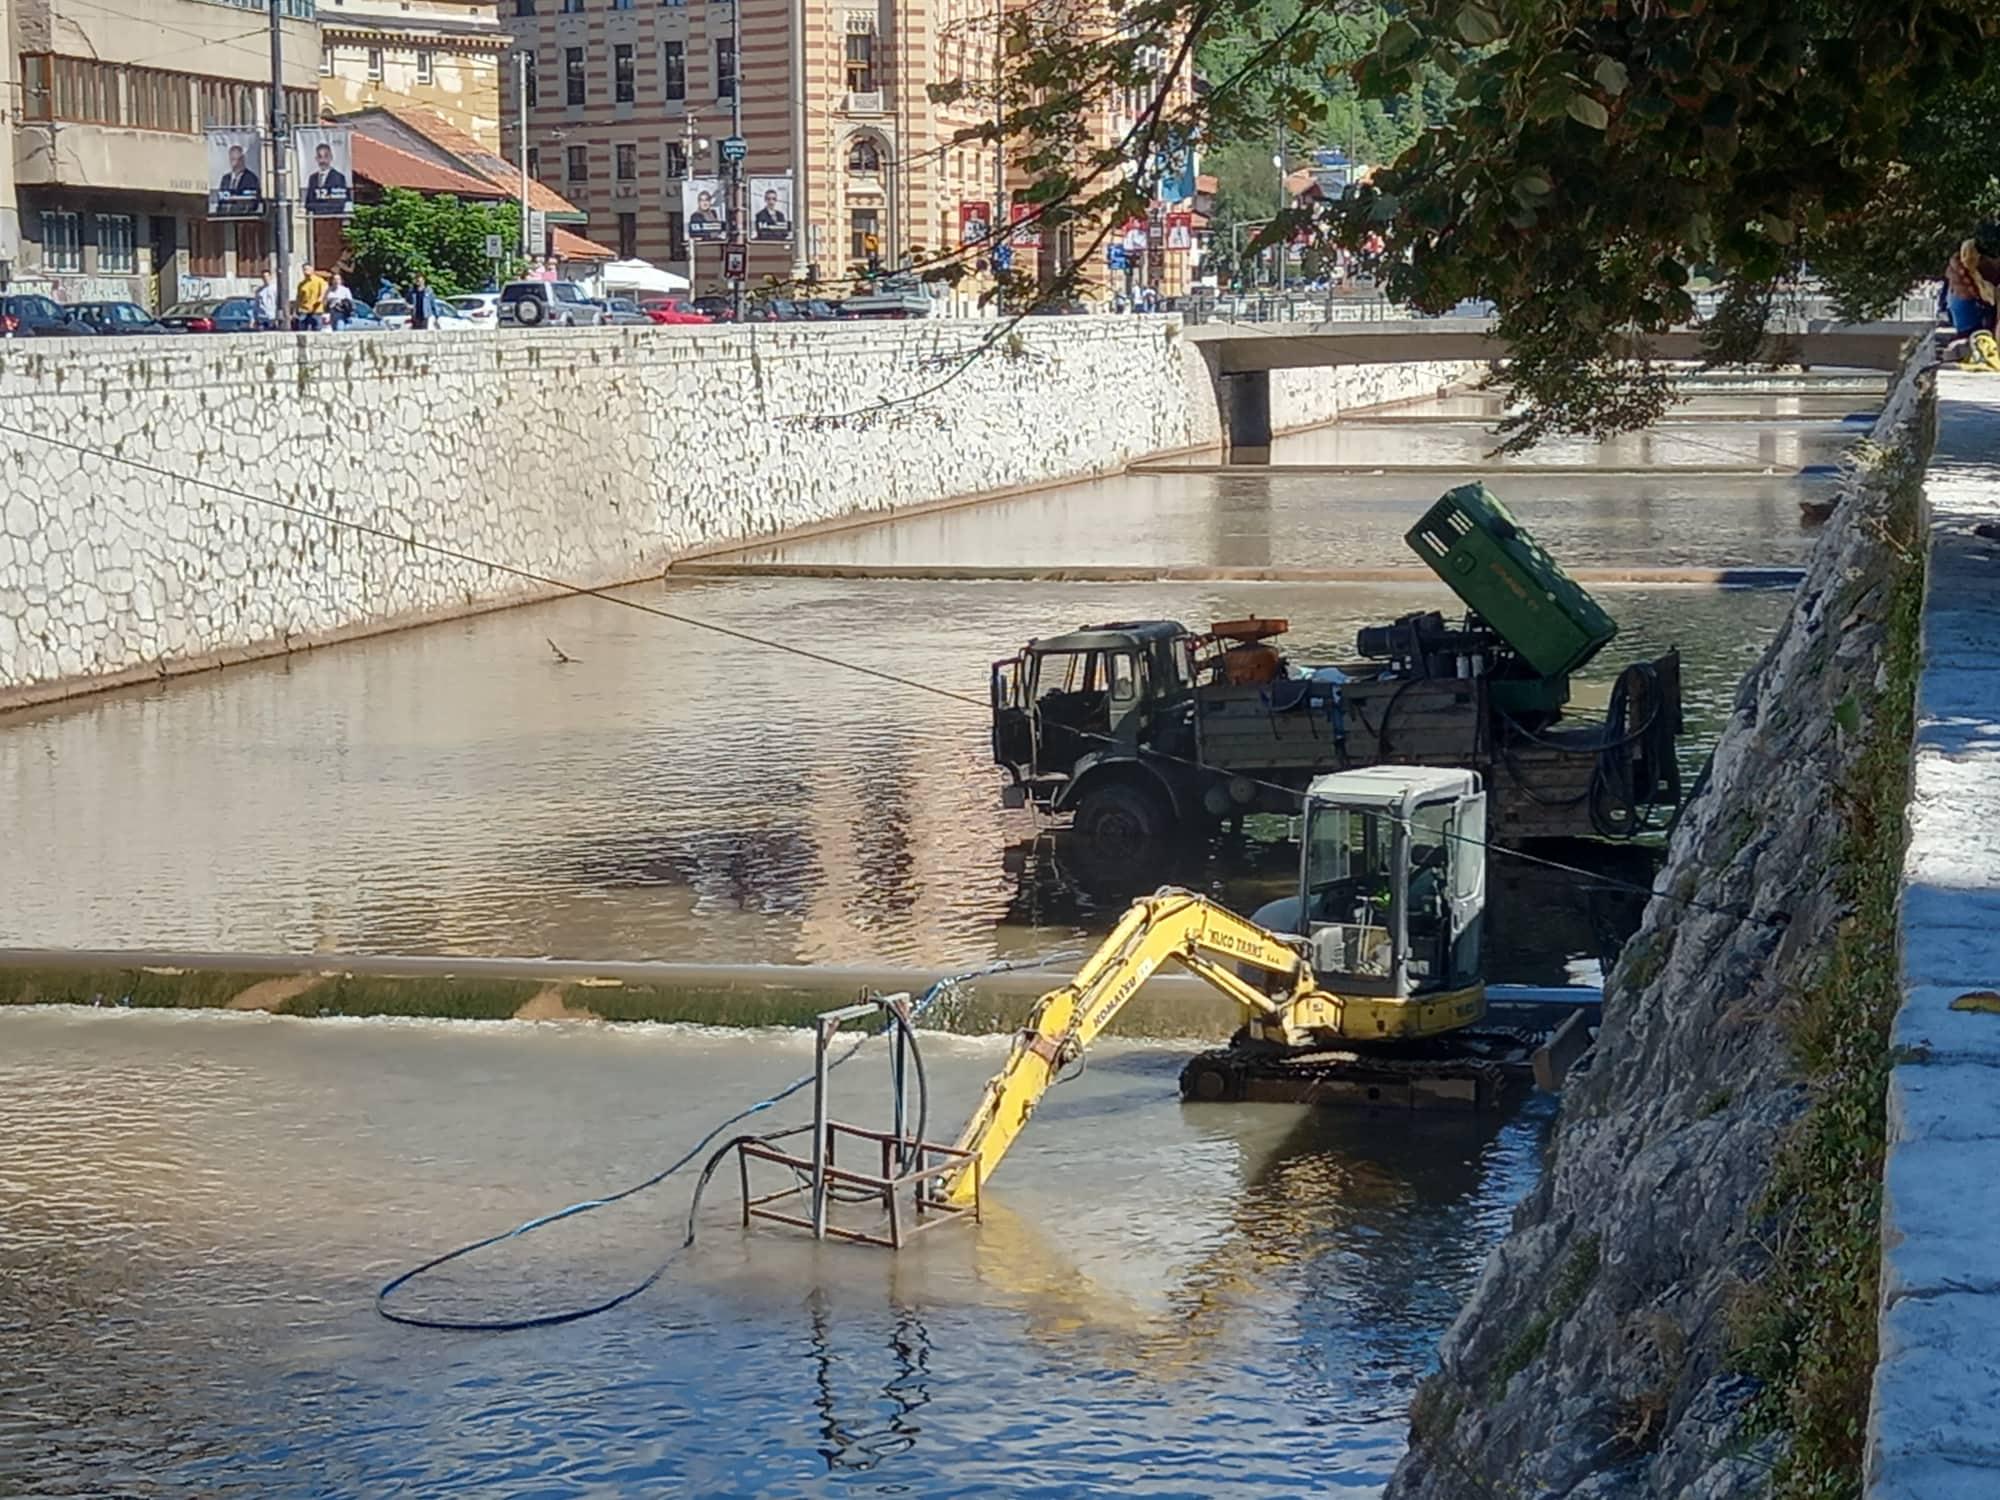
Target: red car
[671, 310]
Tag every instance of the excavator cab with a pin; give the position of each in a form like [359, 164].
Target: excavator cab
[1392, 891]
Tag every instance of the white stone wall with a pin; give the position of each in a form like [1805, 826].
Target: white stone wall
[587, 456]
[1309, 397]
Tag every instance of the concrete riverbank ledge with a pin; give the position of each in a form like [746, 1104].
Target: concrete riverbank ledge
[163, 501]
[1933, 1433]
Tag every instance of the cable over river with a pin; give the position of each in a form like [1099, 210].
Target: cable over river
[196, 1208]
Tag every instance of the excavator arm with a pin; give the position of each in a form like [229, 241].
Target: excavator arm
[1190, 930]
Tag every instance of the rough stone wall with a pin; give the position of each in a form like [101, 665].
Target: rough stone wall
[1307, 398]
[589, 456]
[1592, 1357]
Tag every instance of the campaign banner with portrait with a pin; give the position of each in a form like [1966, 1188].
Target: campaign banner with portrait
[1026, 221]
[326, 170]
[704, 209]
[235, 172]
[771, 209]
[975, 221]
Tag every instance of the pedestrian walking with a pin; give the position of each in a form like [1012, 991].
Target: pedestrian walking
[311, 302]
[267, 304]
[423, 303]
[339, 302]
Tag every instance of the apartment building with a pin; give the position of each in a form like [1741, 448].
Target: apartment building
[445, 56]
[626, 97]
[109, 166]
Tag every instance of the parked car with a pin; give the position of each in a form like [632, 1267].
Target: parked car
[117, 317]
[898, 296]
[213, 315]
[361, 320]
[395, 313]
[29, 316]
[672, 310]
[624, 312]
[819, 309]
[772, 310]
[482, 308]
[559, 304]
[715, 309]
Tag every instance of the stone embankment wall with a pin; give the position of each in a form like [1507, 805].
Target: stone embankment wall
[590, 456]
[1601, 1353]
[1932, 1431]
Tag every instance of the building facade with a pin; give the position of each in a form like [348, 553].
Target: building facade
[446, 56]
[109, 165]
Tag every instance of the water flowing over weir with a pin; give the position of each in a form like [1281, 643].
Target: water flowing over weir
[197, 1207]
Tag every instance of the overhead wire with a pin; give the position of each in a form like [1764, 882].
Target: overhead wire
[623, 599]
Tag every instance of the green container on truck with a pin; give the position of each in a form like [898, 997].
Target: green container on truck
[1476, 546]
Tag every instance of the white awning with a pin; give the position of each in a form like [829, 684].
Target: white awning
[644, 276]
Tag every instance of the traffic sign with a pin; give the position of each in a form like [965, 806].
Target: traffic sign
[735, 260]
[1117, 258]
[538, 231]
[495, 248]
[734, 148]
[1003, 257]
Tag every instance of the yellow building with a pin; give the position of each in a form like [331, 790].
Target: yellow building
[446, 56]
[109, 165]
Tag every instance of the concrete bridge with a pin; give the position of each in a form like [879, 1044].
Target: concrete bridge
[1241, 356]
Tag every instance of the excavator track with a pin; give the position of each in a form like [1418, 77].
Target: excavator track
[1465, 1070]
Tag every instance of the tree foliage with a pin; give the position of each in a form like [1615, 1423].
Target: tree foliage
[407, 234]
[1591, 157]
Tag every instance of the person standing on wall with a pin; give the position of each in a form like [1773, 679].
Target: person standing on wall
[311, 302]
[423, 303]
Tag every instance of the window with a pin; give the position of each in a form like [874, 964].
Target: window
[572, 7]
[37, 94]
[426, 66]
[677, 161]
[535, 162]
[205, 247]
[626, 156]
[326, 62]
[622, 83]
[677, 245]
[628, 236]
[864, 229]
[62, 243]
[86, 91]
[674, 70]
[251, 248]
[864, 158]
[160, 101]
[524, 7]
[573, 88]
[725, 68]
[117, 244]
[861, 62]
[621, 4]
[579, 164]
[226, 103]
[374, 64]
[534, 83]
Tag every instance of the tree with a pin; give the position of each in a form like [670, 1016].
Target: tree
[1590, 154]
[441, 238]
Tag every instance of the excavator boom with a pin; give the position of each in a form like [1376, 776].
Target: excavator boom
[1175, 925]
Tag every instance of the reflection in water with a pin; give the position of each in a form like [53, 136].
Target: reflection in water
[887, 1425]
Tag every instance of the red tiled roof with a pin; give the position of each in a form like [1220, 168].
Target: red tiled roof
[575, 247]
[477, 158]
[385, 166]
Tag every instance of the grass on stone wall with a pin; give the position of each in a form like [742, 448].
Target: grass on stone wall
[1807, 1329]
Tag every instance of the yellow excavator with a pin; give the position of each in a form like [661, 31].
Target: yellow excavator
[1367, 985]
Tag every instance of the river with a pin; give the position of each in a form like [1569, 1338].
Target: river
[194, 1209]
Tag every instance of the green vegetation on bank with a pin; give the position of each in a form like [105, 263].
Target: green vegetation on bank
[1807, 1328]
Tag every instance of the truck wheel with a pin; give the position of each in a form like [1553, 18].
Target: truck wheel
[1121, 812]
[1213, 1078]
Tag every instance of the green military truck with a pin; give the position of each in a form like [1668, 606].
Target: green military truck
[1139, 728]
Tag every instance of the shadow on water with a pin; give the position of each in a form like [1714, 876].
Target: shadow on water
[1544, 926]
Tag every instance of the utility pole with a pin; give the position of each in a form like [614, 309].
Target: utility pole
[281, 208]
[687, 171]
[800, 218]
[999, 218]
[1283, 247]
[738, 218]
[528, 250]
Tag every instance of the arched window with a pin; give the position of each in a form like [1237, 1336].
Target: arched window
[864, 158]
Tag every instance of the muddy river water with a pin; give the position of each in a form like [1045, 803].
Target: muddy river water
[195, 1209]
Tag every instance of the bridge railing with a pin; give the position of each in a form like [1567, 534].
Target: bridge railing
[1344, 305]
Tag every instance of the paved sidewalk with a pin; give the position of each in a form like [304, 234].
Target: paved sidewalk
[1934, 1430]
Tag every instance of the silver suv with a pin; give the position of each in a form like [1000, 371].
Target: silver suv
[553, 304]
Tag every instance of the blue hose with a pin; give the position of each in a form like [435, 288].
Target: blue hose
[571, 1315]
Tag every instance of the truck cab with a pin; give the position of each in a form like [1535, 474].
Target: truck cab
[1072, 714]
